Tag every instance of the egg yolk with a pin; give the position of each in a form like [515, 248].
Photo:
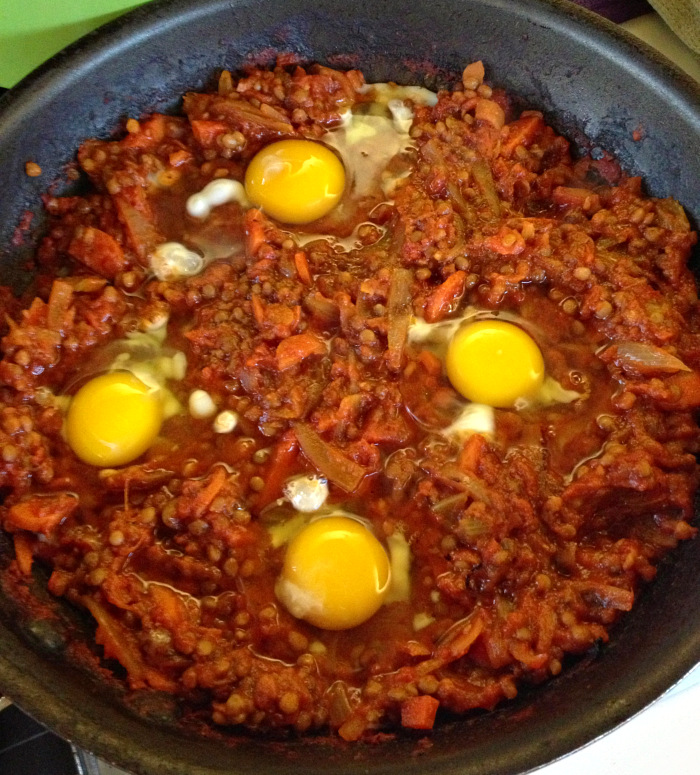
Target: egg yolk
[295, 181]
[113, 419]
[336, 574]
[493, 362]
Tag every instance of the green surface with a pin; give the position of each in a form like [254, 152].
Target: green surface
[33, 30]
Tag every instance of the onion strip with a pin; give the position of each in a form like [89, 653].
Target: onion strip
[646, 358]
[335, 466]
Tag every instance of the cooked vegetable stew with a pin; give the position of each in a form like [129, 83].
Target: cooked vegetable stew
[336, 404]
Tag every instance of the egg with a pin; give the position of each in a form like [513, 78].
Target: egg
[494, 362]
[336, 574]
[295, 181]
[348, 171]
[113, 419]
[307, 493]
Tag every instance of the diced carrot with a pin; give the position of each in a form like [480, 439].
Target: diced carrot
[354, 727]
[686, 387]
[521, 132]
[296, 348]
[443, 298]
[255, 232]
[419, 712]
[150, 133]
[59, 314]
[135, 213]
[568, 196]
[279, 469]
[41, 514]
[98, 250]
[471, 454]
[386, 426]
[179, 157]
[507, 242]
[167, 607]
[114, 639]
[430, 362]
[207, 132]
[23, 552]
[258, 309]
[302, 266]
[206, 495]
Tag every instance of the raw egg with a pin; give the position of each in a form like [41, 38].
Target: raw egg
[113, 419]
[336, 574]
[353, 167]
[295, 181]
[495, 363]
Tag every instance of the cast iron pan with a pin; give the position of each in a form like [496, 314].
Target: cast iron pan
[591, 80]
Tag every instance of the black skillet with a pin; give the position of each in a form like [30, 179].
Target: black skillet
[592, 80]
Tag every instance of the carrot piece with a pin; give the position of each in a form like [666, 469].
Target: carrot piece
[294, 350]
[206, 495]
[42, 514]
[354, 727]
[258, 309]
[98, 250]
[419, 712]
[23, 553]
[302, 266]
[686, 385]
[207, 132]
[134, 211]
[521, 132]
[179, 157]
[442, 299]
[57, 312]
[114, 639]
[471, 453]
[279, 469]
[507, 242]
[150, 133]
[167, 608]
[568, 196]
[430, 362]
[255, 232]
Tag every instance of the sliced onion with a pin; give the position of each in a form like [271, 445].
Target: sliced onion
[645, 358]
[335, 466]
[399, 314]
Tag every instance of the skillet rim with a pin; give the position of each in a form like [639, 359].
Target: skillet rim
[108, 41]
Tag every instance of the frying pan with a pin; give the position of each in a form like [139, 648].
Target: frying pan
[591, 80]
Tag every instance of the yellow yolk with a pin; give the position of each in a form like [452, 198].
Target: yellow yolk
[295, 181]
[493, 362]
[336, 574]
[113, 419]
